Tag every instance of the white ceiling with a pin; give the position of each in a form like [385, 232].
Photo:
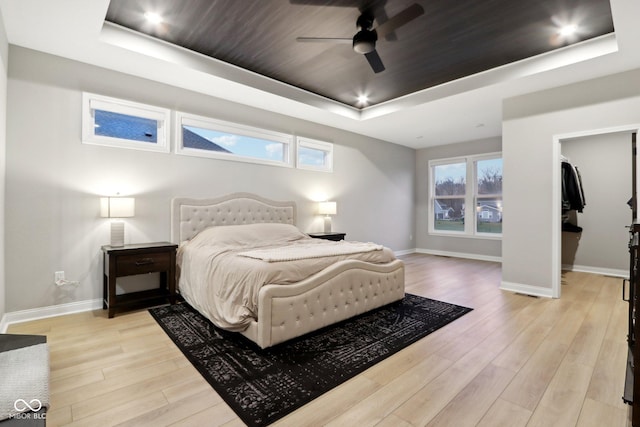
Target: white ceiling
[465, 109]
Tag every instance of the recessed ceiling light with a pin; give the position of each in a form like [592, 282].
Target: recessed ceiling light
[568, 30]
[363, 99]
[154, 18]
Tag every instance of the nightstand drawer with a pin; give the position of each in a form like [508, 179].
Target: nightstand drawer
[129, 265]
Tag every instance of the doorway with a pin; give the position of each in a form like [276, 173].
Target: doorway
[594, 238]
[603, 158]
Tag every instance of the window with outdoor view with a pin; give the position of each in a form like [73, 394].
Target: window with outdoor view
[449, 196]
[124, 124]
[206, 137]
[489, 196]
[314, 154]
[473, 181]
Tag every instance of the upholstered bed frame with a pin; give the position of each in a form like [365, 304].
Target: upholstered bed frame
[344, 290]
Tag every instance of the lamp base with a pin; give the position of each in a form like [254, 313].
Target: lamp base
[117, 233]
[327, 224]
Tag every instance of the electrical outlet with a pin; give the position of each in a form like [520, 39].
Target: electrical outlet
[58, 275]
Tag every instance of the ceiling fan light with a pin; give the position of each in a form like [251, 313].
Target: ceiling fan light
[363, 47]
[568, 30]
[364, 41]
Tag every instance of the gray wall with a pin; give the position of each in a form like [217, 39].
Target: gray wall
[529, 126]
[466, 246]
[53, 181]
[4, 60]
[604, 162]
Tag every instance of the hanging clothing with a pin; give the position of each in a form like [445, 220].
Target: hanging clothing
[572, 191]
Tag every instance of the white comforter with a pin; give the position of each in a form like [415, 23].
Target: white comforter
[224, 286]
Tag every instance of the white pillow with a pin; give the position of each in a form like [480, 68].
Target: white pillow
[249, 234]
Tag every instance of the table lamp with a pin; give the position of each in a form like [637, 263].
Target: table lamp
[327, 209]
[117, 207]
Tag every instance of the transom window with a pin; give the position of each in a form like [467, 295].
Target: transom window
[119, 123]
[450, 196]
[205, 137]
[126, 124]
[314, 154]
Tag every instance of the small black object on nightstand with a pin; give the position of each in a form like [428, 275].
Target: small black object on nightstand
[328, 236]
[129, 260]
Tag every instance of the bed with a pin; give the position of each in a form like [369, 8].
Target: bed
[278, 309]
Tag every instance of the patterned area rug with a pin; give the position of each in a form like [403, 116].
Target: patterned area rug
[262, 386]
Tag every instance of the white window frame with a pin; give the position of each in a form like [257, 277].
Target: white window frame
[432, 196]
[315, 144]
[92, 102]
[478, 197]
[471, 197]
[187, 119]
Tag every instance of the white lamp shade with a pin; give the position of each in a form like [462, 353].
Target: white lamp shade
[117, 207]
[327, 208]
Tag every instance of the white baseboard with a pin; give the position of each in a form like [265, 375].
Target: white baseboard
[44, 312]
[505, 286]
[624, 274]
[520, 288]
[405, 252]
[460, 255]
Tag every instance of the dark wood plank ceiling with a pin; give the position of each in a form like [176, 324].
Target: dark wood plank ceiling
[453, 39]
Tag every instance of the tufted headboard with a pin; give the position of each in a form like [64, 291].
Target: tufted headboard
[190, 216]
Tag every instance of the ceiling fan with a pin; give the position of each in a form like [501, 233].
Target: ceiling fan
[364, 42]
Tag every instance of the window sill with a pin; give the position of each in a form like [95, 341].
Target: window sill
[466, 236]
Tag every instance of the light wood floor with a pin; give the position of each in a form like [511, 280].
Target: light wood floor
[513, 361]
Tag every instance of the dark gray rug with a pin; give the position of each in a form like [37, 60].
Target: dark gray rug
[262, 386]
[24, 384]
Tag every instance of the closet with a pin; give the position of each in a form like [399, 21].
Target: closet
[596, 185]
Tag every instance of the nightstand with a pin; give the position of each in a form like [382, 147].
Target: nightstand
[328, 236]
[129, 260]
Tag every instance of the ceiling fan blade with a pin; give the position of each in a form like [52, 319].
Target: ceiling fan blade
[324, 40]
[375, 61]
[381, 18]
[402, 18]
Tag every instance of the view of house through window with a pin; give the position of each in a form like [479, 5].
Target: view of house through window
[451, 194]
[450, 189]
[223, 142]
[124, 126]
[206, 137]
[489, 196]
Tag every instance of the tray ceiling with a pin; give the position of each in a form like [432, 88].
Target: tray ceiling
[451, 40]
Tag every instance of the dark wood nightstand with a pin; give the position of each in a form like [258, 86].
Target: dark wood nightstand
[129, 260]
[328, 236]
